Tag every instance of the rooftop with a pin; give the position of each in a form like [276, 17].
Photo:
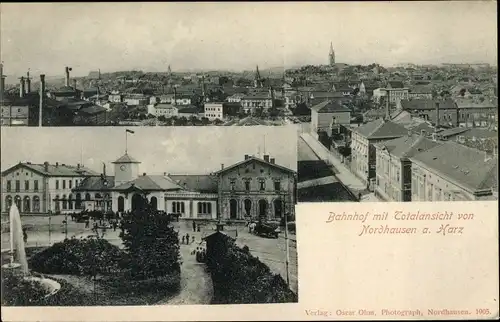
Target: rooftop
[381, 128]
[150, 183]
[55, 170]
[465, 166]
[126, 159]
[426, 104]
[330, 106]
[407, 146]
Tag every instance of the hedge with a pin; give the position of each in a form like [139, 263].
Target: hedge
[240, 278]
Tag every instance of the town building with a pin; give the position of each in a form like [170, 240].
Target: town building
[235, 98]
[221, 110]
[393, 166]
[420, 91]
[363, 153]
[252, 188]
[453, 172]
[166, 110]
[475, 113]
[252, 101]
[40, 188]
[440, 112]
[188, 111]
[136, 100]
[328, 112]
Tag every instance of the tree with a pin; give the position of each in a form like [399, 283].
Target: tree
[205, 121]
[301, 110]
[151, 243]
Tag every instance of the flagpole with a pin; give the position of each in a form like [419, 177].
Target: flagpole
[126, 132]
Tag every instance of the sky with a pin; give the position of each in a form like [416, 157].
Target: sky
[46, 37]
[175, 150]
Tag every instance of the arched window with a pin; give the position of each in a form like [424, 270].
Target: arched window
[247, 206]
[70, 202]
[8, 203]
[56, 203]
[233, 209]
[121, 204]
[27, 204]
[17, 200]
[87, 196]
[64, 203]
[36, 204]
[154, 203]
[78, 203]
[278, 208]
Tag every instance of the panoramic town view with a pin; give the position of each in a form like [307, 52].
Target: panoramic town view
[102, 230]
[157, 159]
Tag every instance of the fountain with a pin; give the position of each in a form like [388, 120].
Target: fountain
[17, 252]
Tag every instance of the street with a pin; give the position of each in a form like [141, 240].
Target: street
[317, 179]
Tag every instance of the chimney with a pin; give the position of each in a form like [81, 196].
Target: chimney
[42, 95]
[387, 105]
[144, 174]
[78, 166]
[46, 166]
[222, 166]
[437, 116]
[164, 174]
[104, 169]
[21, 87]
[266, 157]
[66, 78]
[2, 83]
[57, 164]
[247, 157]
[28, 83]
[74, 84]
[272, 160]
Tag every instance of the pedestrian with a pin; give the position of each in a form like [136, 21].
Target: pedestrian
[25, 235]
[192, 239]
[114, 225]
[183, 239]
[187, 239]
[194, 226]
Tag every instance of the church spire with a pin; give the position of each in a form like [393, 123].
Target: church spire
[331, 55]
[258, 80]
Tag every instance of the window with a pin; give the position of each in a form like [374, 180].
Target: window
[27, 185]
[64, 184]
[9, 185]
[70, 182]
[232, 182]
[57, 184]
[178, 207]
[277, 185]
[429, 193]
[18, 185]
[262, 184]
[35, 187]
[204, 208]
[247, 185]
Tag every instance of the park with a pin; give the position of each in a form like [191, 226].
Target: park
[145, 257]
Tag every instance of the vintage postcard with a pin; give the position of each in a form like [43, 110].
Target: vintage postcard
[249, 161]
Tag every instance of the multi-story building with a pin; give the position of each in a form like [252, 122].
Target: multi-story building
[252, 188]
[236, 98]
[474, 113]
[328, 112]
[166, 110]
[440, 112]
[393, 166]
[40, 188]
[394, 90]
[15, 114]
[256, 100]
[221, 110]
[363, 153]
[451, 171]
[136, 100]
[420, 91]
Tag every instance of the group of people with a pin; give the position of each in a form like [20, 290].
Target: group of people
[185, 239]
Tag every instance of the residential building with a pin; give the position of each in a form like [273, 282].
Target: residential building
[453, 172]
[474, 113]
[188, 111]
[393, 166]
[328, 112]
[363, 153]
[166, 110]
[420, 91]
[396, 91]
[221, 110]
[440, 112]
[14, 115]
[236, 98]
[136, 100]
[40, 188]
[256, 100]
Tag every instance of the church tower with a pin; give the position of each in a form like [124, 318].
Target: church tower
[331, 55]
[257, 81]
[126, 169]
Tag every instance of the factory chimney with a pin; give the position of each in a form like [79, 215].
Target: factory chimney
[2, 83]
[387, 104]
[437, 117]
[21, 87]
[66, 79]
[28, 82]
[42, 96]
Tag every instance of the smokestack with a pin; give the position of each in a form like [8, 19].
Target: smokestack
[28, 83]
[2, 83]
[222, 166]
[57, 164]
[437, 116]
[42, 97]
[387, 107]
[271, 92]
[21, 87]
[247, 157]
[458, 114]
[78, 166]
[272, 160]
[266, 157]
[46, 166]
[67, 70]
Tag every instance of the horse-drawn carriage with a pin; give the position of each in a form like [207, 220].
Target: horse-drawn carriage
[266, 229]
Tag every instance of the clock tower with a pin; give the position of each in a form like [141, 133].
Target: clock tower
[126, 169]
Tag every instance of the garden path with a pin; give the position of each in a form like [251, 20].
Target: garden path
[196, 283]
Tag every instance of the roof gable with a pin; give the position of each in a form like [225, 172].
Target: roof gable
[252, 159]
[126, 159]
